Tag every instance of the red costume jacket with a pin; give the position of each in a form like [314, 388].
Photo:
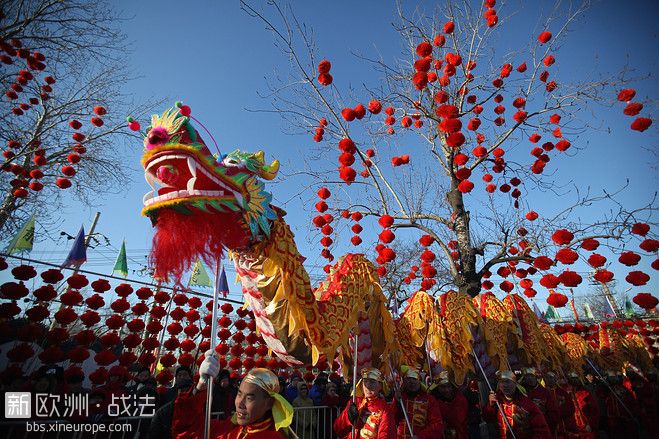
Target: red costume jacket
[547, 404]
[620, 422]
[647, 403]
[188, 422]
[454, 414]
[524, 417]
[566, 426]
[376, 421]
[423, 414]
[586, 412]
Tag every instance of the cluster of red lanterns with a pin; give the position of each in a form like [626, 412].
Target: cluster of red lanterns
[633, 109]
[30, 178]
[356, 227]
[385, 253]
[324, 76]
[323, 221]
[320, 130]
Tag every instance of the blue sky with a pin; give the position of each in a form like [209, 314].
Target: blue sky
[215, 58]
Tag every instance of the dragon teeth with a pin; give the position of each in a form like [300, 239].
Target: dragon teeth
[191, 183]
[192, 165]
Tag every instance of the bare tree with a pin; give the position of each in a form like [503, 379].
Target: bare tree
[469, 113]
[63, 108]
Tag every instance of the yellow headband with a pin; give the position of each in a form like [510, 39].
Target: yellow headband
[282, 411]
[412, 373]
[372, 373]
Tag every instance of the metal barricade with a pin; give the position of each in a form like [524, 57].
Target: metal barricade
[314, 422]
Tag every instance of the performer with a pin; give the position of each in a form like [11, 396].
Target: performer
[586, 411]
[452, 405]
[371, 416]
[522, 415]
[261, 412]
[566, 426]
[620, 405]
[422, 410]
[541, 397]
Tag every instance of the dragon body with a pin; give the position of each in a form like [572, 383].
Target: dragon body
[205, 206]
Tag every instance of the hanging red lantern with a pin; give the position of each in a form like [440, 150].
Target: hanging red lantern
[99, 376]
[127, 358]
[71, 298]
[20, 353]
[140, 308]
[85, 337]
[77, 281]
[13, 290]
[95, 301]
[101, 285]
[646, 301]
[171, 343]
[44, 293]
[187, 345]
[24, 272]
[150, 343]
[177, 314]
[123, 290]
[144, 293]
[120, 305]
[65, 316]
[89, 318]
[557, 300]
[105, 357]
[115, 321]
[78, 354]
[52, 276]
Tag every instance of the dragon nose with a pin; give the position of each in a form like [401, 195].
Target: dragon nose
[156, 137]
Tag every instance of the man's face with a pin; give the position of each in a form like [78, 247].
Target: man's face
[303, 390]
[530, 380]
[447, 391]
[142, 376]
[550, 380]
[411, 385]
[508, 387]
[183, 375]
[252, 403]
[574, 381]
[294, 381]
[590, 377]
[371, 387]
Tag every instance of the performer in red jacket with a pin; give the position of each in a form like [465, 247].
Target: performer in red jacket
[371, 416]
[453, 407]
[542, 397]
[522, 416]
[621, 408]
[422, 410]
[566, 426]
[586, 411]
[261, 412]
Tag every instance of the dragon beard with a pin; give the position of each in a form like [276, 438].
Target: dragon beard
[181, 239]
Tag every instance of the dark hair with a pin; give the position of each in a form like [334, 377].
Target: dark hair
[183, 368]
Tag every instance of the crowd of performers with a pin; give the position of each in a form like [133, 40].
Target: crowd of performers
[523, 404]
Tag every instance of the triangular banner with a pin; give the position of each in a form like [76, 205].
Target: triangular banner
[24, 239]
[121, 265]
[78, 254]
[199, 276]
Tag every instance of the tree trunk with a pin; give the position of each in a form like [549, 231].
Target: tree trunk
[467, 280]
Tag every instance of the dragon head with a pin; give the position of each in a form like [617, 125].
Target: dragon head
[191, 185]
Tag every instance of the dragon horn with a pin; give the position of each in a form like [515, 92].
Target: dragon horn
[259, 156]
[269, 172]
